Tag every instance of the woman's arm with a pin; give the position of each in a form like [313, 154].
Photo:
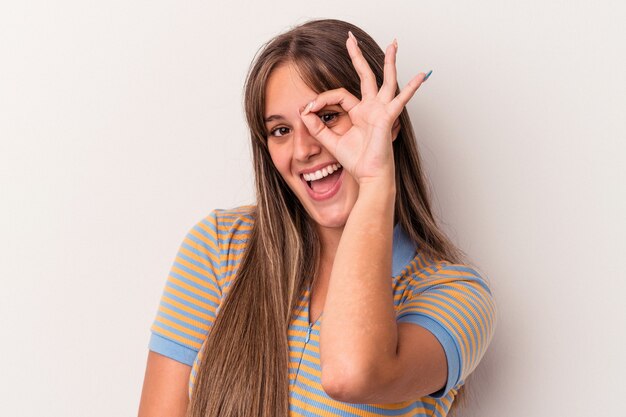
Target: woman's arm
[365, 356]
[165, 390]
[183, 320]
[359, 315]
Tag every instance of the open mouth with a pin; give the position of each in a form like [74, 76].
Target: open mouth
[323, 183]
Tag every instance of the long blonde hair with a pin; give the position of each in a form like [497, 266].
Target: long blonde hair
[244, 371]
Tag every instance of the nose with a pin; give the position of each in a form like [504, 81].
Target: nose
[305, 145]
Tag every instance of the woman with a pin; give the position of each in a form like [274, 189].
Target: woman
[337, 293]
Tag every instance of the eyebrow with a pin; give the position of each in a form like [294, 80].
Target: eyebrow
[273, 117]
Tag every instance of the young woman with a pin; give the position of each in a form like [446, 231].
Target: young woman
[336, 294]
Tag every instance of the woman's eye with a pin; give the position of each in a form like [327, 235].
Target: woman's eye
[328, 117]
[279, 131]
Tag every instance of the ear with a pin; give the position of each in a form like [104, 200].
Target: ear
[395, 129]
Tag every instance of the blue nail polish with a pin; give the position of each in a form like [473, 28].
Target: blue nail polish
[428, 75]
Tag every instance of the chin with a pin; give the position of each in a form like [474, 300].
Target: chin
[332, 213]
[330, 220]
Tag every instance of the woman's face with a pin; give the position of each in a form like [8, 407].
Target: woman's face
[299, 157]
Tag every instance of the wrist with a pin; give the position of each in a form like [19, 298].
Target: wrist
[382, 187]
[377, 196]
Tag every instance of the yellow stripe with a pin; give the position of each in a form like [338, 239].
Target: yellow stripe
[188, 309]
[208, 283]
[184, 318]
[228, 227]
[456, 274]
[203, 239]
[183, 329]
[192, 300]
[194, 290]
[466, 308]
[435, 298]
[229, 269]
[208, 264]
[174, 336]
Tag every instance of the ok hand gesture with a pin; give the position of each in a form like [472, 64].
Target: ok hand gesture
[365, 150]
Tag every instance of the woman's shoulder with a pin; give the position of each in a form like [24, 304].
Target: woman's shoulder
[428, 271]
[234, 215]
[229, 224]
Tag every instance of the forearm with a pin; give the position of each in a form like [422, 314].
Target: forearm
[359, 330]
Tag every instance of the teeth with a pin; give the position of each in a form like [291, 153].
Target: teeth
[321, 173]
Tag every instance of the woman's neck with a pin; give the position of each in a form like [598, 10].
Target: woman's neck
[329, 241]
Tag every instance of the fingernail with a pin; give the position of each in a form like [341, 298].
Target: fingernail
[308, 107]
[350, 34]
[395, 43]
[428, 75]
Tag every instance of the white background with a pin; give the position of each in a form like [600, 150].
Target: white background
[121, 125]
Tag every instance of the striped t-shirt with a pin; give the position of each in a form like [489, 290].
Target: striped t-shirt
[452, 301]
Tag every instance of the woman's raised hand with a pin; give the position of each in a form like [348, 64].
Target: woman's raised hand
[365, 150]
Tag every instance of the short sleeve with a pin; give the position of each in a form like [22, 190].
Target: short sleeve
[191, 296]
[456, 305]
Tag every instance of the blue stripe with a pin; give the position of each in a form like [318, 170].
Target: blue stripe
[233, 262]
[210, 289]
[403, 250]
[208, 275]
[310, 364]
[468, 328]
[235, 217]
[480, 318]
[318, 405]
[192, 294]
[204, 255]
[187, 314]
[238, 241]
[301, 410]
[177, 332]
[211, 224]
[422, 274]
[229, 282]
[485, 308]
[476, 277]
[204, 245]
[190, 304]
[181, 322]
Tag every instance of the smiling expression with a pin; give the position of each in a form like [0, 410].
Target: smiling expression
[324, 188]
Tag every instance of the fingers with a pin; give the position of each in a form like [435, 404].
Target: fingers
[339, 96]
[387, 93]
[316, 127]
[320, 131]
[368, 80]
[388, 90]
[397, 104]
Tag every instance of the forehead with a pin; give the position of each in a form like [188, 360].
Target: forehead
[286, 92]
